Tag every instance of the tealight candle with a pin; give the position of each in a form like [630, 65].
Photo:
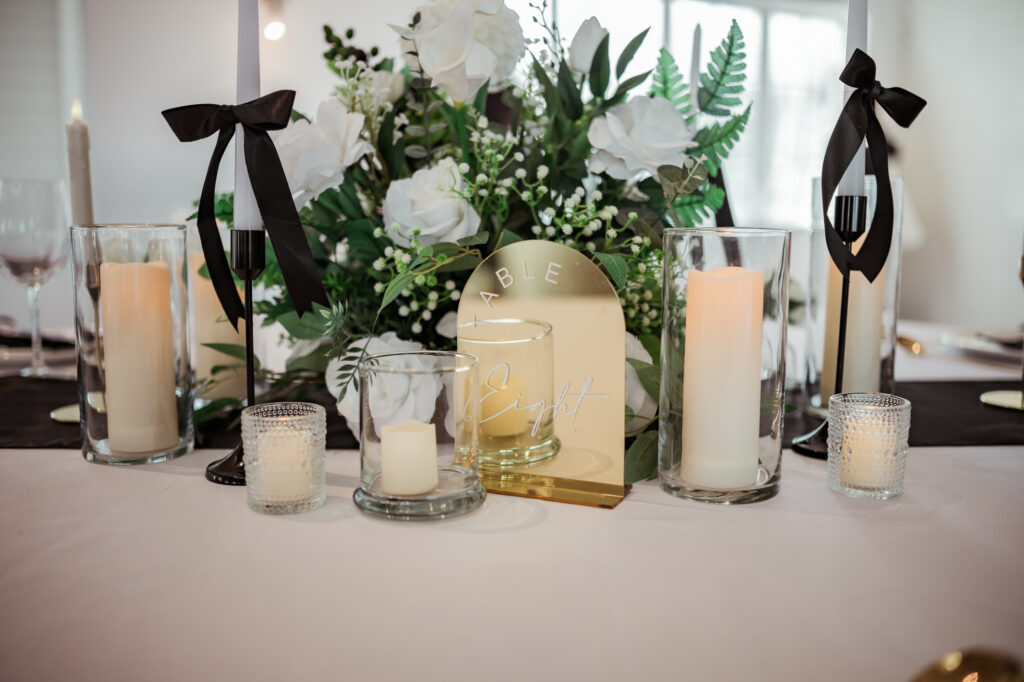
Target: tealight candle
[722, 377]
[284, 476]
[408, 458]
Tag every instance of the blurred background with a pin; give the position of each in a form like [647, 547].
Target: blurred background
[963, 232]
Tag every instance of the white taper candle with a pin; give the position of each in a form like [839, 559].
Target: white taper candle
[247, 213]
[852, 183]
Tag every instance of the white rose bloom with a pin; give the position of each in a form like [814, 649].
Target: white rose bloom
[386, 86]
[464, 43]
[396, 396]
[426, 202]
[448, 326]
[584, 45]
[640, 135]
[316, 155]
[643, 405]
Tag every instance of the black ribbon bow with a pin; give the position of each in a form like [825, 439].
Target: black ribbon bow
[270, 186]
[857, 121]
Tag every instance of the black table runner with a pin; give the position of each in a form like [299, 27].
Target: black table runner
[943, 413]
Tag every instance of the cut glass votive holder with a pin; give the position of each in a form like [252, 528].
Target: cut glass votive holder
[868, 435]
[724, 321]
[131, 336]
[517, 422]
[419, 416]
[284, 457]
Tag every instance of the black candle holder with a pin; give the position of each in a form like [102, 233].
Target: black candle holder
[248, 258]
[851, 223]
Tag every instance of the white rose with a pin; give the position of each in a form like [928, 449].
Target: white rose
[395, 396]
[464, 43]
[448, 326]
[644, 406]
[316, 155]
[584, 45]
[427, 202]
[637, 136]
[386, 86]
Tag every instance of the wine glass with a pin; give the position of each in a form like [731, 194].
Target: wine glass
[33, 244]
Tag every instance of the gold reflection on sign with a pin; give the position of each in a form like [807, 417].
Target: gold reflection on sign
[584, 391]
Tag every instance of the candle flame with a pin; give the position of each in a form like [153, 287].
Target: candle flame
[76, 111]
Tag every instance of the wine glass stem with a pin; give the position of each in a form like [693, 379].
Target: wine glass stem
[37, 339]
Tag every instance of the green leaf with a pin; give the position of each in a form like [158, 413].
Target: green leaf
[627, 55]
[568, 92]
[668, 83]
[475, 240]
[508, 237]
[644, 229]
[717, 140]
[314, 361]
[616, 267]
[652, 344]
[600, 69]
[231, 349]
[723, 82]
[627, 85]
[305, 327]
[702, 204]
[677, 182]
[299, 116]
[550, 91]
[396, 287]
[642, 457]
[649, 375]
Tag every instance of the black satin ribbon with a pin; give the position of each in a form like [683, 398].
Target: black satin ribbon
[270, 186]
[857, 121]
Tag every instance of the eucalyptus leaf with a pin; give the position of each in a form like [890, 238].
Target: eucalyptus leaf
[649, 375]
[616, 266]
[642, 457]
[627, 55]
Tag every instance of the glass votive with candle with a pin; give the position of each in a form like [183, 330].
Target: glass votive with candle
[868, 435]
[725, 311]
[131, 335]
[284, 457]
[418, 435]
[517, 405]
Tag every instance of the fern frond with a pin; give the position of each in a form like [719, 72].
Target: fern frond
[667, 82]
[693, 208]
[717, 140]
[722, 83]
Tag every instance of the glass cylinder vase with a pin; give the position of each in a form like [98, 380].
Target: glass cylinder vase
[724, 320]
[131, 334]
[871, 318]
[517, 424]
[419, 415]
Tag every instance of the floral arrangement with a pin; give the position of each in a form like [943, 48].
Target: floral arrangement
[407, 178]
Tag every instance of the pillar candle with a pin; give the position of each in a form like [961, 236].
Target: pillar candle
[284, 462]
[210, 326]
[246, 212]
[722, 377]
[867, 458]
[138, 346]
[78, 168]
[497, 418]
[408, 458]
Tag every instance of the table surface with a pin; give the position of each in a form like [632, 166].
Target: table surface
[151, 573]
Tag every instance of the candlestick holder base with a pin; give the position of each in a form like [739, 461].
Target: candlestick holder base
[229, 470]
[813, 444]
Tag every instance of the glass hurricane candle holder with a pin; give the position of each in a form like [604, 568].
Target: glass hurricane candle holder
[131, 335]
[868, 435]
[284, 457]
[517, 424]
[871, 318]
[419, 416]
[724, 319]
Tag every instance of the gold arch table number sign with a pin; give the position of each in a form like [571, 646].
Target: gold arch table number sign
[548, 330]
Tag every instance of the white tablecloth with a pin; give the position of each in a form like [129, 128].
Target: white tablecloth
[151, 573]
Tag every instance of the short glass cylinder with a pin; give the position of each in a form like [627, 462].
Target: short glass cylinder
[517, 425]
[724, 320]
[284, 454]
[871, 317]
[131, 334]
[419, 415]
[868, 435]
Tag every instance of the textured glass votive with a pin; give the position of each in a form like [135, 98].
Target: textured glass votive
[724, 321]
[284, 456]
[867, 444]
[517, 423]
[418, 435]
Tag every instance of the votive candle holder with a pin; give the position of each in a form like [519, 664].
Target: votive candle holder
[868, 436]
[284, 456]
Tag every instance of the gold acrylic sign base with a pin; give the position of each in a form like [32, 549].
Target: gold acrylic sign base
[553, 488]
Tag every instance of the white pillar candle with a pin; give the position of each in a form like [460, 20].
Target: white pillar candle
[862, 361]
[408, 458]
[852, 182]
[284, 461]
[722, 377]
[209, 325]
[78, 168]
[246, 212]
[138, 349]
